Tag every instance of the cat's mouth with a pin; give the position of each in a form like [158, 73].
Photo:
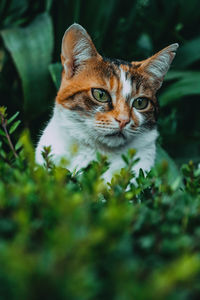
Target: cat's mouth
[117, 134]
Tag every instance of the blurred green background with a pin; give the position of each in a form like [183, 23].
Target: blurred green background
[30, 40]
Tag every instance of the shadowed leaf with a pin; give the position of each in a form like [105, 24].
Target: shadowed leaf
[55, 71]
[188, 84]
[188, 54]
[31, 49]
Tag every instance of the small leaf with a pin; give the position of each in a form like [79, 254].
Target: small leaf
[131, 152]
[2, 132]
[2, 153]
[3, 111]
[141, 173]
[125, 159]
[12, 118]
[18, 145]
[14, 126]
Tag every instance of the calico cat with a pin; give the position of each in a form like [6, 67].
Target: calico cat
[104, 105]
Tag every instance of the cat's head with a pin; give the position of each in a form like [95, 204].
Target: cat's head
[113, 100]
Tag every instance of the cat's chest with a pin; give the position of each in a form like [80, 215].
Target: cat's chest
[85, 155]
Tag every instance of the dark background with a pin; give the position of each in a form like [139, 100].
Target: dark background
[30, 40]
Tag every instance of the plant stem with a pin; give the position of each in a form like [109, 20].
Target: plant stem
[3, 124]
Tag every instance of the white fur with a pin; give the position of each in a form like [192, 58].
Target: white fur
[81, 51]
[67, 128]
[139, 116]
[160, 66]
[126, 84]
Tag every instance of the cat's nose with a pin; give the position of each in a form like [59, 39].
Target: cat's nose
[122, 122]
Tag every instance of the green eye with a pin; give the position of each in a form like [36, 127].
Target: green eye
[100, 95]
[140, 103]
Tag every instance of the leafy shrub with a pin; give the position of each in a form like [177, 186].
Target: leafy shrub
[30, 40]
[66, 236]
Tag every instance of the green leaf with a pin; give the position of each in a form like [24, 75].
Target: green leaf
[48, 5]
[31, 49]
[188, 54]
[2, 132]
[13, 118]
[188, 84]
[55, 71]
[2, 153]
[14, 12]
[125, 159]
[2, 6]
[77, 10]
[161, 155]
[100, 23]
[14, 126]
[18, 145]
[172, 75]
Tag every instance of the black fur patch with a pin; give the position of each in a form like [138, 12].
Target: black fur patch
[77, 108]
[117, 61]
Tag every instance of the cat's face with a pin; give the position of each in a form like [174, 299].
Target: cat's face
[113, 100]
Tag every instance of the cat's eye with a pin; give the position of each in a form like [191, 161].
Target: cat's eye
[100, 95]
[140, 103]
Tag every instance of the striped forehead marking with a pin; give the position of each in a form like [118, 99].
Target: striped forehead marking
[126, 84]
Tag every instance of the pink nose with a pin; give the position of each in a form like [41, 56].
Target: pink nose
[122, 122]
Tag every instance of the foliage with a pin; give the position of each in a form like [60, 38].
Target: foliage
[29, 57]
[71, 236]
[31, 38]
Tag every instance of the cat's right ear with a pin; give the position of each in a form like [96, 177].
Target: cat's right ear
[77, 49]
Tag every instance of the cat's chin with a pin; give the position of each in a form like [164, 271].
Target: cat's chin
[113, 140]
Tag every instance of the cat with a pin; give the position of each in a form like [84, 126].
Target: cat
[105, 105]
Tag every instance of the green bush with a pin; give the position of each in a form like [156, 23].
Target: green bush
[30, 41]
[70, 236]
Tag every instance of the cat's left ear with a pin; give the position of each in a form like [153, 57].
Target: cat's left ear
[158, 65]
[77, 49]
